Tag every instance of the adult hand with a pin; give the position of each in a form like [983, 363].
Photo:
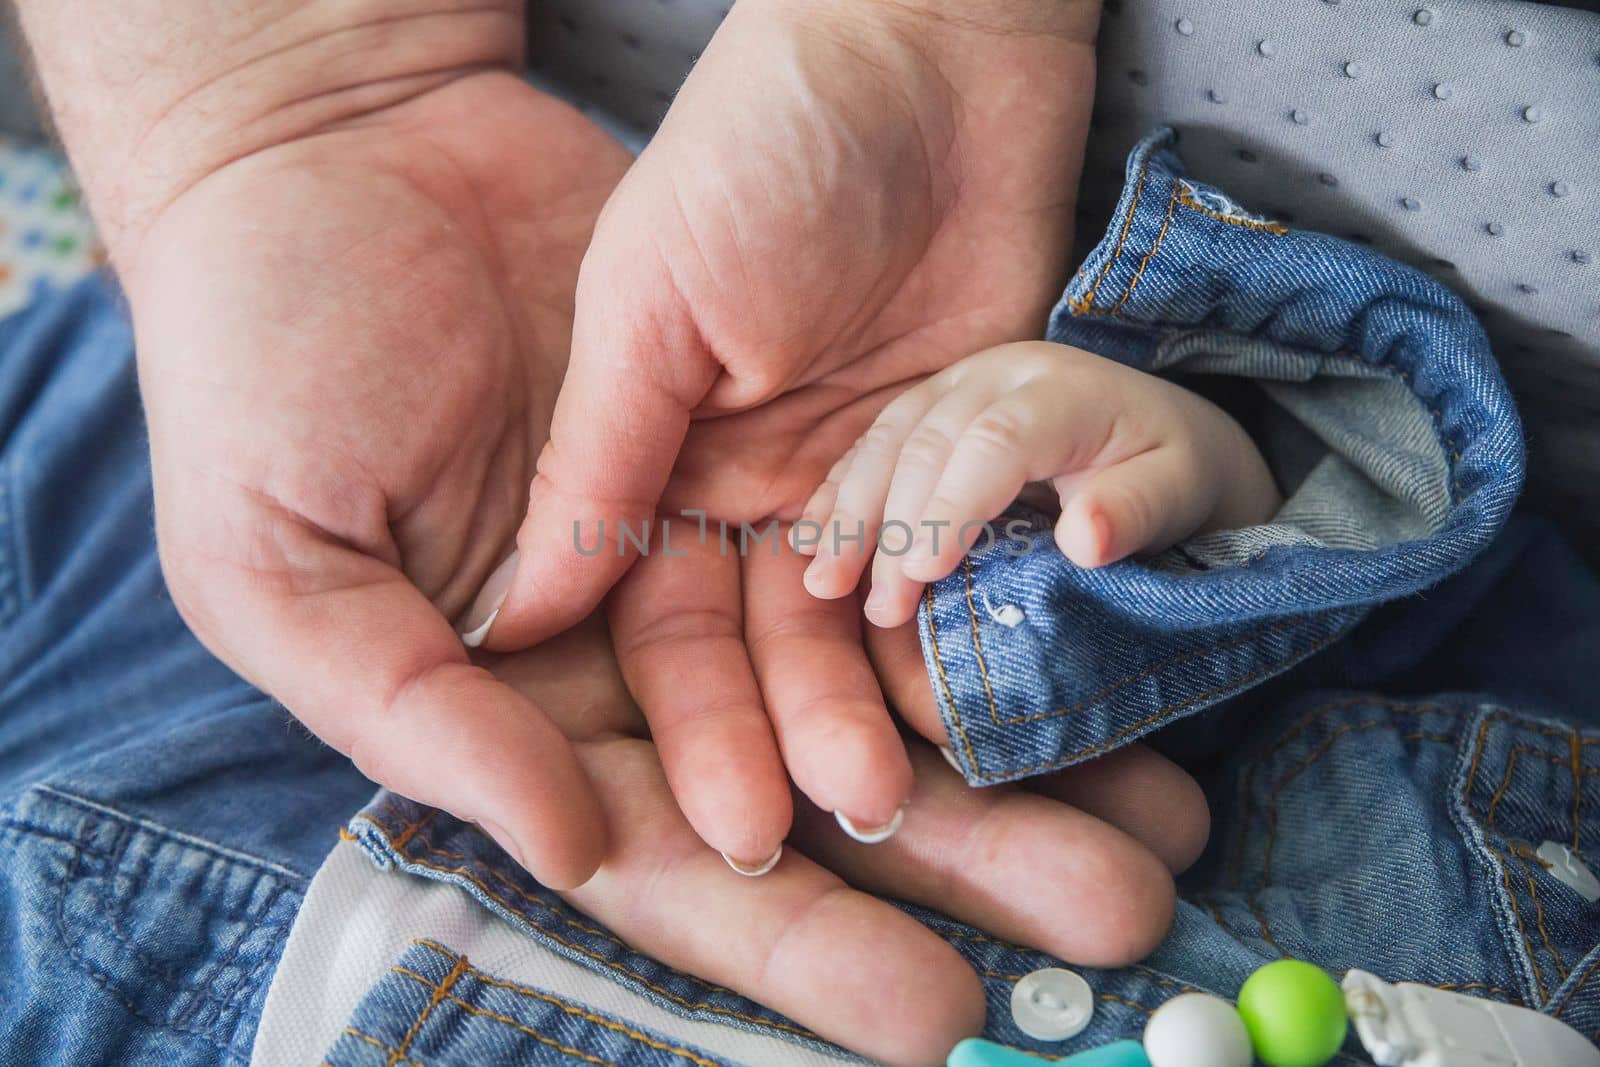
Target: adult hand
[809, 939]
[349, 345]
[847, 196]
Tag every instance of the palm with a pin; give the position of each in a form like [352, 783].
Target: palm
[910, 229]
[349, 348]
[386, 322]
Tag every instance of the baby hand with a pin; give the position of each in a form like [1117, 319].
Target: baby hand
[1138, 463]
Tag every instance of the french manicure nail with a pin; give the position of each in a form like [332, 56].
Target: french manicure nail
[759, 869]
[872, 835]
[486, 608]
[950, 758]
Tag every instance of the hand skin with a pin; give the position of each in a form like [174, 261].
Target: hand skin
[807, 939]
[846, 197]
[349, 236]
[348, 369]
[1137, 463]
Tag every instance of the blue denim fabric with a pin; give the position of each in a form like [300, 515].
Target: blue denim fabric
[1377, 805]
[1357, 351]
[145, 894]
[447, 1010]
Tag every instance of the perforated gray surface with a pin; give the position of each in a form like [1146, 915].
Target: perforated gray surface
[1462, 136]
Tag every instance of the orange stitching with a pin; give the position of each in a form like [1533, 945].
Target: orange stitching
[1299, 768]
[1123, 683]
[1499, 794]
[1516, 914]
[439, 993]
[1086, 303]
[608, 964]
[1277, 229]
[369, 1039]
[1172, 204]
[568, 1008]
[1304, 723]
[543, 1039]
[1162, 714]
[1588, 972]
[1538, 915]
[977, 642]
[955, 712]
[411, 831]
[1261, 921]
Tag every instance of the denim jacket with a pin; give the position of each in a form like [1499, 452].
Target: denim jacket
[1382, 414]
[1387, 773]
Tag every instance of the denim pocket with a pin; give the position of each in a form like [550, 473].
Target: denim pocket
[1401, 837]
[1525, 795]
[129, 942]
[434, 1006]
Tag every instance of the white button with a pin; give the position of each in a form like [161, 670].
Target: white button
[1569, 869]
[1052, 1005]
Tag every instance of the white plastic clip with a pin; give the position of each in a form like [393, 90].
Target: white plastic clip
[1572, 872]
[1410, 1025]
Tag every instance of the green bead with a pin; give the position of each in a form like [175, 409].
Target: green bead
[1294, 1014]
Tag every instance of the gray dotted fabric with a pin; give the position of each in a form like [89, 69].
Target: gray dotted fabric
[1461, 136]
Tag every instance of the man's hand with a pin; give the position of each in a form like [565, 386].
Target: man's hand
[809, 940]
[349, 235]
[845, 198]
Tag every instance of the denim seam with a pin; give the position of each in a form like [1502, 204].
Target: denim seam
[1109, 688]
[203, 993]
[611, 965]
[1323, 749]
[1155, 246]
[1277, 229]
[1522, 857]
[1301, 725]
[1571, 737]
[105, 982]
[1159, 715]
[565, 1006]
[440, 991]
[384, 1045]
[177, 836]
[1087, 302]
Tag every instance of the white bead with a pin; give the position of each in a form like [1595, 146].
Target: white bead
[1052, 1004]
[1197, 1030]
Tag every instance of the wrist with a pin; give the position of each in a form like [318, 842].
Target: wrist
[165, 92]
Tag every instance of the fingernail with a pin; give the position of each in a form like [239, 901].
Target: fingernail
[873, 608]
[486, 608]
[759, 869]
[872, 835]
[950, 758]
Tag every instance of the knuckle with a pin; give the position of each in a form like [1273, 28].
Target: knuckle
[927, 447]
[999, 430]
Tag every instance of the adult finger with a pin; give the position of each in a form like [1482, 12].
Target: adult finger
[851, 968]
[838, 740]
[638, 369]
[677, 625]
[1022, 866]
[1135, 789]
[360, 656]
[1142, 793]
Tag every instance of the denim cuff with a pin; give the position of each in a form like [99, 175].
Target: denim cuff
[1384, 419]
